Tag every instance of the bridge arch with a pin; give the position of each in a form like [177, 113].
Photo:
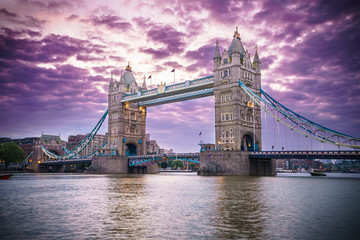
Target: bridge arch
[130, 149]
[247, 143]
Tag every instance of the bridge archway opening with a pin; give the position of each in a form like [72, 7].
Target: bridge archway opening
[131, 149]
[247, 143]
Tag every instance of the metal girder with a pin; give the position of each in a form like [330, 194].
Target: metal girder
[300, 124]
[146, 160]
[306, 155]
[73, 153]
[173, 93]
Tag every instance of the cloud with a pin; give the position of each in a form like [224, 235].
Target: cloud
[111, 22]
[202, 57]
[28, 21]
[50, 49]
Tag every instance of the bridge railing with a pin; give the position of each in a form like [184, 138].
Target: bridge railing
[303, 152]
[165, 155]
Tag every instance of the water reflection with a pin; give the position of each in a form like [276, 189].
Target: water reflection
[239, 208]
[127, 209]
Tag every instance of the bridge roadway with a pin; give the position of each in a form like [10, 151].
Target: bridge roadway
[306, 155]
[146, 160]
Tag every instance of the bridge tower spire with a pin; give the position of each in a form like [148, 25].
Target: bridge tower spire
[237, 119]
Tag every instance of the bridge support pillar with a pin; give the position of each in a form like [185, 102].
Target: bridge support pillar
[118, 164]
[109, 164]
[262, 167]
[215, 163]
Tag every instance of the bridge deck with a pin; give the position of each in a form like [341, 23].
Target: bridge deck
[306, 154]
[197, 88]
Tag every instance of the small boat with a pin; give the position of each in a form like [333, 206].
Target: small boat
[317, 173]
[7, 176]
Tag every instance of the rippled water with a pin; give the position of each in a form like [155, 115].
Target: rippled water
[179, 206]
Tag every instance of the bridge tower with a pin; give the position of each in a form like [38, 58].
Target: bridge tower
[237, 118]
[127, 122]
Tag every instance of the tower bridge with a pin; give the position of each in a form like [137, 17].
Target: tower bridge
[239, 100]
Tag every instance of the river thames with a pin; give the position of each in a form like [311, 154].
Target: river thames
[179, 206]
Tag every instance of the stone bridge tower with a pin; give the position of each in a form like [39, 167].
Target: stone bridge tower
[237, 118]
[127, 122]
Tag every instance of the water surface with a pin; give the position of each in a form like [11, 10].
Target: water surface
[179, 206]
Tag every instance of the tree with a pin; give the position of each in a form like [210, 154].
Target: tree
[164, 165]
[171, 164]
[11, 153]
[179, 164]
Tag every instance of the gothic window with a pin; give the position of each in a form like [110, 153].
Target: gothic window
[226, 61]
[222, 98]
[132, 129]
[230, 97]
[231, 116]
[222, 117]
[225, 73]
[226, 98]
[227, 117]
[227, 134]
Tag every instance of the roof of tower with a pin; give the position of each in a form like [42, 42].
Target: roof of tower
[217, 51]
[236, 43]
[127, 76]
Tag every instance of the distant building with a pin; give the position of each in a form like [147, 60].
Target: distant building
[97, 142]
[281, 163]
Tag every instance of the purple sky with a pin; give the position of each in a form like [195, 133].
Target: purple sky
[56, 57]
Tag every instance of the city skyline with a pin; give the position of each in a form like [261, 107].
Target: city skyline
[57, 58]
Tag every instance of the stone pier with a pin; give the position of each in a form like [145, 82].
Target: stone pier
[119, 165]
[227, 163]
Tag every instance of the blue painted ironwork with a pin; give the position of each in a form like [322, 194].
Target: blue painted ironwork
[178, 97]
[81, 145]
[300, 124]
[305, 155]
[146, 160]
[28, 157]
[172, 93]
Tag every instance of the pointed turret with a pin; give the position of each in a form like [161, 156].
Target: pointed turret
[111, 83]
[217, 56]
[144, 88]
[256, 57]
[217, 51]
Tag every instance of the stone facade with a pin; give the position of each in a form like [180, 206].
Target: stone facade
[237, 118]
[127, 122]
[216, 163]
[225, 163]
